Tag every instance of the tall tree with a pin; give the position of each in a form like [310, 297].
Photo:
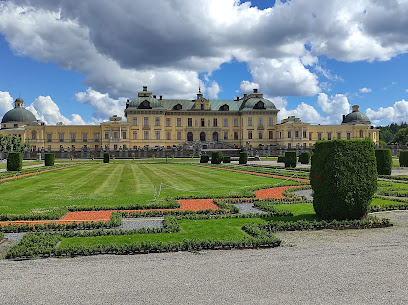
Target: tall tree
[10, 143]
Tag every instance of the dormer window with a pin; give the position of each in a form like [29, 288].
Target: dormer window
[224, 107]
[259, 105]
[177, 107]
[145, 105]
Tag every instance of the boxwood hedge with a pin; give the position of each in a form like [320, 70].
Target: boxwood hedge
[343, 178]
[216, 157]
[243, 157]
[204, 159]
[227, 159]
[304, 157]
[290, 159]
[106, 157]
[14, 161]
[49, 159]
[384, 161]
[403, 158]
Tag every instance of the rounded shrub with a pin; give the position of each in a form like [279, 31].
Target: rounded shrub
[14, 161]
[204, 159]
[343, 178]
[49, 159]
[290, 159]
[243, 157]
[227, 159]
[403, 158]
[304, 157]
[216, 157]
[281, 159]
[384, 161]
[106, 157]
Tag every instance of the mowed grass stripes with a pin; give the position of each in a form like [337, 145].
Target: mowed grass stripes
[112, 185]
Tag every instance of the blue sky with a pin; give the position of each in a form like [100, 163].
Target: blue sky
[77, 62]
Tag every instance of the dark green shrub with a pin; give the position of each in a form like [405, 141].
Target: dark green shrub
[343, 178]
[243, 157]
[227, 159]
[403, 158]
[204, 159]
[304, 157]
[384, 161]
[290, 159]
[281, 159]
[14, 161]
[106, 157]
[216, 157]
[49, 159]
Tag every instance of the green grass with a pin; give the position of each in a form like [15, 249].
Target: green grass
[25, 163]
[121, 184]
[392, 188]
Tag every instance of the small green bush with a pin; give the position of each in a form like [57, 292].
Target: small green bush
[403, 158]
[281, 159]
[49, 159]
[290, 159]
[216, 157]
[227, 159]
[343, 178]
[384, 161]
[304, 157]
[204, 159]
[106, 157]
[243, 157]
[14, 161]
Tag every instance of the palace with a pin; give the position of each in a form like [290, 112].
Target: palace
[151, 121]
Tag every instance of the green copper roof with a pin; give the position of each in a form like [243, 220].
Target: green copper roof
[19, 115]
[356, 117]
[138, 103]
[251, 103]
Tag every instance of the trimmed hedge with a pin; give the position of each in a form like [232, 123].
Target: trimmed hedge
[216, 157]
[106, 157]
[204, 159]
[243, 157]
[49, 159]
[290, 159]
[304, 157]
[403, 158]
[14, 161]
[227, 159]
[384, 161]
[343, 178]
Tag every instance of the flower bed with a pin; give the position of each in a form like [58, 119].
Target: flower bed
[276, 192]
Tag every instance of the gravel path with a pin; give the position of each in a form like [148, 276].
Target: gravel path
[138, 223]
[318, 267]
[306, 193]
[247, 208]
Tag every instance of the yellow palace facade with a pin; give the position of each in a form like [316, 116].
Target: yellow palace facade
[150, 121]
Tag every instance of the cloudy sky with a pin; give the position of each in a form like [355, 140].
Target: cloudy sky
[77, 62]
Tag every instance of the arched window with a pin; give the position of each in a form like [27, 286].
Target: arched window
[202, 136]
[224, 107]
[34, 135]
[177, 107]
[145, 105]
[190, 136]
[259, 105]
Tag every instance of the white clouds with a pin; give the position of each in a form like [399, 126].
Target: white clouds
[305, 112]
[247, 86]
[365, 90]
[213, 90]
[6, 102]
[397, 113]
[334, 106]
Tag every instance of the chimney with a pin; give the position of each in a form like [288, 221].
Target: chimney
[355, 108]
[161, 97]
[144, 88]
[255, 90]
[154, 96]
[237, 98]
[128, 100]
[245, 94]
[344, 117]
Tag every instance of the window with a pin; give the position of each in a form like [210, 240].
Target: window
[225, 135]
[84, 137]
[260, 135]
[49, 137]
[225, 122]
[178, 135]
[168, 122]
[310, 136]
[202, 123]
[96, 137]
[329, 136]
[296, 134]
[289, 145]
[215, 122]
[250, 134]
[270, 134]
[289, 134]
[235, 135]
[134, 135]
[319, 135]
[361, 133]
[115, 135]
[123, 134]
[33, 134]
[157, 121]
[145, 121]
[235, 122]
[260, 122]
[280, 134]
[61, 137]
[134, 121]
[15, 125]
[73, 137]
[157, 135]
[146, 135]
[304, 134]
[348, 136]
[106, 135]
[249, 121]
[339, 135]
[115, 147]
[178, 122]
[168, 135]
[270, 121]
[190, 122]
[202, 106]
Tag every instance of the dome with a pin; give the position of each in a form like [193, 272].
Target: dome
[144, 103]
[356, 117]
[257, 103]
[19, 115]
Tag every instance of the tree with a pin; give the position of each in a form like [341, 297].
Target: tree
[401, 137]
[10, 143]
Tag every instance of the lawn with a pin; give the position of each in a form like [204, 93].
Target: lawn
[111, 185]
[25, 163]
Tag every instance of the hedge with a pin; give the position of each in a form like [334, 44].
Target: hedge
[216, 157]
[204, 159]
[227, 159]
[343, 178]
[106, 157]
[290, 159]
[49, 159]
[384, 161]
[304, 157]
[281, 159]
[403, 158]
[14, 161]
[243, 157]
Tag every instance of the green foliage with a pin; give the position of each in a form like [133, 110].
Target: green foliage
[10, 143]
[1, 236]
[216, 157]
[343, 178]
[106, 157]
[243, 157]
[14, 161]
[204, 159]
[281, 159]
[387, 133]
[403, 158]
[227, 159]
[49, 159]
[290, 159]
[304, 157]
[383, 157]
[401, 137]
